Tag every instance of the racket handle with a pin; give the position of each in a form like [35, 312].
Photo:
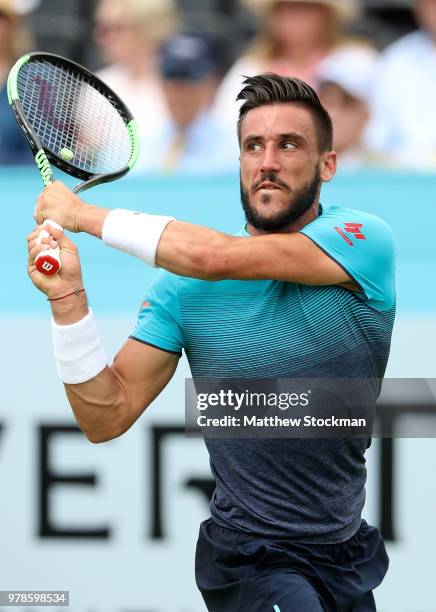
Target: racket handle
[48, 262]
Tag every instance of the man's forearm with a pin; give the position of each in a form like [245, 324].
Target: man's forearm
[195, 251]
[97, 404]
[91, 220]
[198, 252]
[181, 248]
[189, 250]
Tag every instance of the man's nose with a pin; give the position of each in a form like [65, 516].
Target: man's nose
[270, 160]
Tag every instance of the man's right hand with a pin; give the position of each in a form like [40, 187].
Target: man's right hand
[62, 205]
[59, 203]
[69, 277]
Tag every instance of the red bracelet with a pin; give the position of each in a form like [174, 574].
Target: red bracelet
[75, 292]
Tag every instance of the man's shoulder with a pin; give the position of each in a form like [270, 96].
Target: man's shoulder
[362, 244]
[350, 217]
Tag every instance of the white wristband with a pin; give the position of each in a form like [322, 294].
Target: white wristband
[78, 351]
[135, 233]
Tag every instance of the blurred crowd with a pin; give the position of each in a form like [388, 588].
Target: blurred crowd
[172, 74]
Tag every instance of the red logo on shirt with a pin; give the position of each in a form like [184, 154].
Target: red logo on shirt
[355, 228]
[344, 236]
[144, 305]
[351, 228]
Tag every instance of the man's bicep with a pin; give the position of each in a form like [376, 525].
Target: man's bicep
[315, 266]
[143, 371]
[331, 270]
[290, 258]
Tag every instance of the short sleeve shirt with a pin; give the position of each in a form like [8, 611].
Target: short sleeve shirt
[310, 490]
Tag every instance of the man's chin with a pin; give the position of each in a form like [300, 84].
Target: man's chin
[262, 219]
[272, 217]
[269, 207]
[269, 203]
[270, 222]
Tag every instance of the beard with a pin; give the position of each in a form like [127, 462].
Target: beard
[297, 205]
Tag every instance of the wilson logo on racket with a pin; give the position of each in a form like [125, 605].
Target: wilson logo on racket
[47, 264]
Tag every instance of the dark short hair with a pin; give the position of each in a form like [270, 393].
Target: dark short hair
[270, 88]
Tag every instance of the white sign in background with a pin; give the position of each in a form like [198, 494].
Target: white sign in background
[130, 571]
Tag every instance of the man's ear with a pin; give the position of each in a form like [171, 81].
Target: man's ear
[328, 166]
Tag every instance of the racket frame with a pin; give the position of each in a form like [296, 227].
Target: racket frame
[43, 156]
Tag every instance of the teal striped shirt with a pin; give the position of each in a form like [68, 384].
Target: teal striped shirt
[305, 489]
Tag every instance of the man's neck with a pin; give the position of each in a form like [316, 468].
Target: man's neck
[309, 216]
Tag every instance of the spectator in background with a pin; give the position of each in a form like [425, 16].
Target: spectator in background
[295, 36]
[129, 33]
[345, 94]
[404, 97]
[191, 139]
[15, 40]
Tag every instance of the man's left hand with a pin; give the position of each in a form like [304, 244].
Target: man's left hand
[59, 204]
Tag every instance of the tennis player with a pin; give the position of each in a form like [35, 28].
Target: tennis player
[305, 291]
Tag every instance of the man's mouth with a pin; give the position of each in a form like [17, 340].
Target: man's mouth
[267, 185]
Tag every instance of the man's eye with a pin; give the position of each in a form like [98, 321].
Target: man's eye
[254, 146]
[289, 145]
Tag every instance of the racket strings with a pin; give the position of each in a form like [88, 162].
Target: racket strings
[67, 112]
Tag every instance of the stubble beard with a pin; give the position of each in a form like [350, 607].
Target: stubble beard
[298, 205]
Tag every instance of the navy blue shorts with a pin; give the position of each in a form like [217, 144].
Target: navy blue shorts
[238, 572]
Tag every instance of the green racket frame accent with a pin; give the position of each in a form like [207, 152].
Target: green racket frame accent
[12, 87]
[44, 156]
[44, 167]
[132, 126]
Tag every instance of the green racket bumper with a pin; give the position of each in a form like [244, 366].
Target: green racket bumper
[12, 86]
[132, 127]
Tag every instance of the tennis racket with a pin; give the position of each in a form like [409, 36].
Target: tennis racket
[72, 120]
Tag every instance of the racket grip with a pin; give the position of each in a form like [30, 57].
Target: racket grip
[48, 262]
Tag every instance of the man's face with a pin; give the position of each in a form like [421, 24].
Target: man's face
[281, 166]
[425, 11]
